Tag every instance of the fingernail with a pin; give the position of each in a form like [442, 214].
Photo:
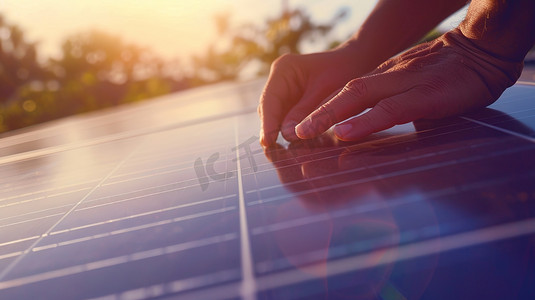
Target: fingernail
[264, 139]
[343, 130]
[261, 137]
[288, 130]
[302, 129]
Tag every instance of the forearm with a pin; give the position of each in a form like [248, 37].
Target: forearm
[395, 25]
[504, 29]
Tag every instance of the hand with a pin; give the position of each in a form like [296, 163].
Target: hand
[445, 77]
[298, 84]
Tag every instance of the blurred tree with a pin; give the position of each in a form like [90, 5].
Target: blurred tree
[286, 33]
[218, 65]
[95, 70]
[18, 60]
[98, 69]
[20, 73]
[262, 43]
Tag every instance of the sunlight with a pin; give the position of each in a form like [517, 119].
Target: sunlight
[171, 28]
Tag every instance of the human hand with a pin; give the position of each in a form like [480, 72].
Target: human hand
[445, 77]
[298, 84]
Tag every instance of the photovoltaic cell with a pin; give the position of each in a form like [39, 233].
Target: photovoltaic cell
[175, 198]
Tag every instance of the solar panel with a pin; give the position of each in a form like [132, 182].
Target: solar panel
[175, 198]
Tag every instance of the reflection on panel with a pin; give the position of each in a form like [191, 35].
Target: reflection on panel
[194, 208]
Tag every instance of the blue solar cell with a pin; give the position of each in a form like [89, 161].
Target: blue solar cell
[175, 198]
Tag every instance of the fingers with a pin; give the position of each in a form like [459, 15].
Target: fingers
[398, 109]
[305, 106]
[283, 88]
[310, 101]
[355, 97]
[270, 112]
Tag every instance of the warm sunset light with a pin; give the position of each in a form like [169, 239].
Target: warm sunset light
[62, 58]
[65, 57]
[172, 28]
[267, 149]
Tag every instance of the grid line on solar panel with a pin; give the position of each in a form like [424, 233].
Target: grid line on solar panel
[20, 240]
[390, 175]
[13, 264]
[162, 158]
[357, 146]
[153, 175]
[46, 168]
[357, 262]
[25, 137]
[336, 251]
[13, 158]
[392, 203]
[129, 229]
[143, 214]
[31, 220]
[36, 193]
[177, 286]
[111, 233]
[137, 191]
[52, 131]
[50, 165]
[404, 252]
[65, 181]
[47, 197]
[187, 165]
[248, 284]
[72, 179]
[517, 118]
[186, 205]
[141, 162]
[345, 184]
[147, 176]
[123, 259]
[133, 198]
[255, 231]
[357, 248]
[522, 136]
[197, 184]
[41, 191]
[33, 212]
[158, 159]
[9, 255]
[110, 138]
[510, 113]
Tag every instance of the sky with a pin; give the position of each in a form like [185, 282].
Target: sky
[172, 28]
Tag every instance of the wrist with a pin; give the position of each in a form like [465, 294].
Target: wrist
[503, 29]
[497, 71]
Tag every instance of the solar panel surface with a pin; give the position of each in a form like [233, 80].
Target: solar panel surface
[175, 198]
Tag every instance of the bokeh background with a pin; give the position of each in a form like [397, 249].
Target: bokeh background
[60, 57]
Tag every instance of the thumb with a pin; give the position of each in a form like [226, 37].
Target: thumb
[355, 97]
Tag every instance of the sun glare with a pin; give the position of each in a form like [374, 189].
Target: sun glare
[171, 28]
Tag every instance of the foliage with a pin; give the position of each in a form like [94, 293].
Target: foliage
[97, 69]
[261, 43]
[18, 60]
